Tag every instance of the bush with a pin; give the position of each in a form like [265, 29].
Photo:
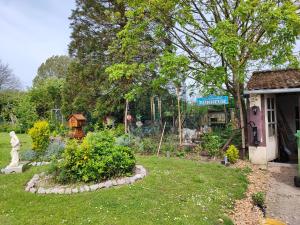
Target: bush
[125, 140]
[258, 199]
[232, 154]
[119, 130]
[40, 134]
[58, 129]
[28, 155]
[97, 158]
[8, 127]
[148, 146]
[211, 144]
[54, 151]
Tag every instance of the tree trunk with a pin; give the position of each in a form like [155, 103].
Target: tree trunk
[179, 115]
[242, 118]
[125, 117]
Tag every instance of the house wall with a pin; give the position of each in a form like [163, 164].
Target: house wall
[257, 154]
[258, 119]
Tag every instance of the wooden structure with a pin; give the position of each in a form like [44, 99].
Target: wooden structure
[76, 122]
[273, 115]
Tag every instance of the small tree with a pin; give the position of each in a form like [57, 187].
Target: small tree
[173, 69]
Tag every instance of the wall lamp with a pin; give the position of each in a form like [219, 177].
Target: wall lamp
[255, 109]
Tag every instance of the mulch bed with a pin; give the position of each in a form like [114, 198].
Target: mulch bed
[245, 213]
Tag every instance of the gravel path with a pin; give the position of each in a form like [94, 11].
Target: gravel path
[283, 198]
[245, 213]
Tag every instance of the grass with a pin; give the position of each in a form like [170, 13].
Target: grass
[176, 191]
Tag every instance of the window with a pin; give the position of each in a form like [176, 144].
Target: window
[271, 116]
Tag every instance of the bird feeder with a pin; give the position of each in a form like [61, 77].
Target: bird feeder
[76, 123]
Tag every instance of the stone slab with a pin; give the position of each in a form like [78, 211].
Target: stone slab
[14, 169]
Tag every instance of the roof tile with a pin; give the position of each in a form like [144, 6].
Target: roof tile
[274, 79]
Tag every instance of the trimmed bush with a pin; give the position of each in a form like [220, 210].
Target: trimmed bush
[40, 134]
[232, 154]
[97, 158]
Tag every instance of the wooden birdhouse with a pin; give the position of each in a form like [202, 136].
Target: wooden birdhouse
[76, 122]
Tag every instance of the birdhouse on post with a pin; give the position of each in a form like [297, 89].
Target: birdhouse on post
[76, 122]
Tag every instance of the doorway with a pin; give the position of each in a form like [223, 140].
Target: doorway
[288, 124]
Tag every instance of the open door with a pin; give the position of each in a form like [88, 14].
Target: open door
[271, 127]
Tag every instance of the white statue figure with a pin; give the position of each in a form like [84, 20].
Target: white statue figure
[15, 144]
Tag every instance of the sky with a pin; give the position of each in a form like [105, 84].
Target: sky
[32, 31]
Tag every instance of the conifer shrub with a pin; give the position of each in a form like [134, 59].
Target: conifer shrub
[40, 135]
[232, 154]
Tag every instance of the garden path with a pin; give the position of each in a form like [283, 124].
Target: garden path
[283, 198]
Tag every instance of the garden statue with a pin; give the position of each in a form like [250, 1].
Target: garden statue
[14, 166]
[189, 135]
[15, 144]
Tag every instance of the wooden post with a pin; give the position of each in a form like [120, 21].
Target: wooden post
[154, 117]
[161, 138]
[160, 111]
[151, 108]
[179, 115]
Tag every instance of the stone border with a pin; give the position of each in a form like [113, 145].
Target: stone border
[33, 185]
[39, 163]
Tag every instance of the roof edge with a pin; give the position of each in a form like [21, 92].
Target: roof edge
[272, 91]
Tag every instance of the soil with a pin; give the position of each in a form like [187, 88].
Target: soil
[245, 213]
[283, 198]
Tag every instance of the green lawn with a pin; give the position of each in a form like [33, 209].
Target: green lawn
[175, 192]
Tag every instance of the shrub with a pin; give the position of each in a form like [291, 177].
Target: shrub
[211, 144]
[232, 154]
[96, 158]
[119, 130]
[58, 129]
[258, 199]
[125, 140]
[148, 146]
[54, 151]
[169, 147]
[40, 134]
[28, 155]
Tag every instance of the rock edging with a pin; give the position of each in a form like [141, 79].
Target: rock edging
[33, 185]
[43, 163]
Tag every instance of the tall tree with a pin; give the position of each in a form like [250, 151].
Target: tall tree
[55, 66]
[7, 79]
[224, 39]
[94, 24]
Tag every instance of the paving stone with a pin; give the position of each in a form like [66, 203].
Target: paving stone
[94, 187]
[114, 182]
[32, 190]
[68, 191]
[86, 188]
[121, 181]
[75, 190]
[108, 184]
[41, 190]
[81, 189]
